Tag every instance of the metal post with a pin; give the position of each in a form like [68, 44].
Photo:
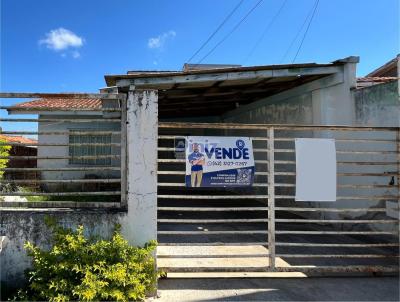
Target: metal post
[398, 162]
[124, 163]
[271, 199]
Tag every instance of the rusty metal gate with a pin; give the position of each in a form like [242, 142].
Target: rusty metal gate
[357, 233]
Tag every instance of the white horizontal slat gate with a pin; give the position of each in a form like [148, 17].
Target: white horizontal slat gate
[262, 228]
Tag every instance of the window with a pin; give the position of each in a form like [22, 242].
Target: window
[83, 146]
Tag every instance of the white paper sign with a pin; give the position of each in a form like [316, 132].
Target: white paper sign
[315, 169]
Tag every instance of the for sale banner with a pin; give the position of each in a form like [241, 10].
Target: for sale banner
[214, 161]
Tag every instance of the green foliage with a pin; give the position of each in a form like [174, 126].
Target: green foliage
[89, 269]
[4, 152]
[36, 198]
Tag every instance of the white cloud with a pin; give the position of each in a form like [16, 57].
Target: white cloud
[159, 41]
[62, 39]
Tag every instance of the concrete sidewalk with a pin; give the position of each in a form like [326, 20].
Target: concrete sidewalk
[280, 289]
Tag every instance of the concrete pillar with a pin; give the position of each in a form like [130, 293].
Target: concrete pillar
[140, 224]
[334, 105]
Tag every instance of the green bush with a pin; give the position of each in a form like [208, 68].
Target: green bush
[4, 152]
[35, 198]
[89, 269]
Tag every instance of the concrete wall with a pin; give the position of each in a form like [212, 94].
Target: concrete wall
[21, 226]
[378, 105]
[325, 101]
[138, 220]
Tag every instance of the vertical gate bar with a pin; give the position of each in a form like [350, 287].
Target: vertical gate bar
[398, 163]
[124, 164]
[271, 199]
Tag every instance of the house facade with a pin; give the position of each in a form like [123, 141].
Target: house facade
[313, 94]
[301, 94]
[220, 99]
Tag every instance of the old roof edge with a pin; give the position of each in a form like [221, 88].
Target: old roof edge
[112, 79]
[377, 79]
[384, 67]
[365, 82]
[40, 108]
[350, 59]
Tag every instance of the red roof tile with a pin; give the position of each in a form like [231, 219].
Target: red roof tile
[376, 79]
[369, 81]
[62, 103]
[17, 139]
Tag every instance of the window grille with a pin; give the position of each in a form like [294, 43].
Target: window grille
[82, 146]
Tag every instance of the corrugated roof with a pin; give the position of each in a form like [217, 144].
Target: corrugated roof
[62, 103]
[17, 139]
[217, 89]
[112, 79]
[189, 67]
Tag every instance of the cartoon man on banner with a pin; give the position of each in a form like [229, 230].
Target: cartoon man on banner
[197, 160]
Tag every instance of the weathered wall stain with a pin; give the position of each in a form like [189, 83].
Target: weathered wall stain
[22, 226]
[378, 105]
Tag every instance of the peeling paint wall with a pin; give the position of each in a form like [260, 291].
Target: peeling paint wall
[140, 224]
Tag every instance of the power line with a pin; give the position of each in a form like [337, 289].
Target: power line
[297, 34]
[216, 30]
[233, 29]
[305, 33]
[265, 31]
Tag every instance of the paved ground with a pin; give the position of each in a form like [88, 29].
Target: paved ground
[280, 289]
[251, 258]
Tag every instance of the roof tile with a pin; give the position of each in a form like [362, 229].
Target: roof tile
[62, 103]
[17, 139]
[370, 81]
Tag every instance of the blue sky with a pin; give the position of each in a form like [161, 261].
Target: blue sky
[115, 37]
[57, 46]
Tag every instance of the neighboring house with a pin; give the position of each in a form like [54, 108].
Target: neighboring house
[377, 96]
[52, 108]
[389, 69]
[21, 150]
